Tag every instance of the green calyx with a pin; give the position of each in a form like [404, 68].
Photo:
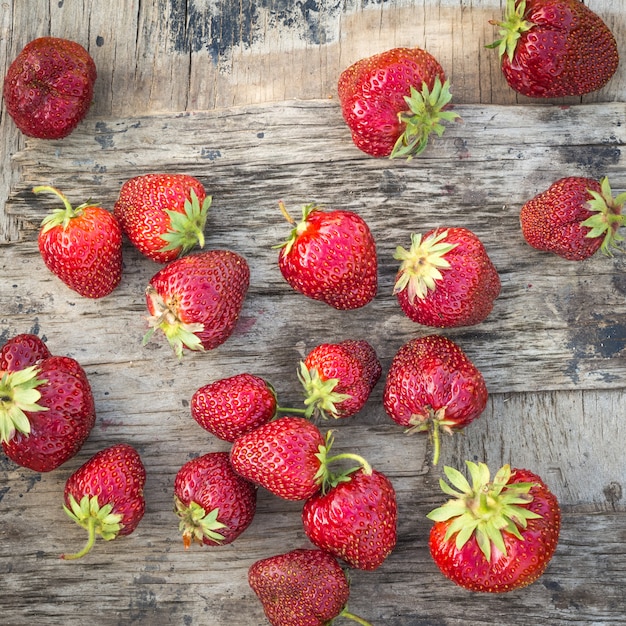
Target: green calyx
[423, 117]
[607, 217]
[321, 398]
[187, 229]
[18, 395]
[60, 217]
[484, 509]
[511, 28]
[196, 524]
[298, 227]
[95, 519]
[421, 265]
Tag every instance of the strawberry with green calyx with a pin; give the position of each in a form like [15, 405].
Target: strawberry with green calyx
[105, 495]
[574, 218]
[82, 246]
[302, 588]
[494, 535]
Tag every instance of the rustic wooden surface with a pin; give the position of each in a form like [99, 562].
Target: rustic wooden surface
[243, 96]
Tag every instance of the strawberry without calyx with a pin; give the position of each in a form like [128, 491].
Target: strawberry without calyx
[105, 495]
[494, 535]
[163, 215]
[446, 279]
[574, 218]
[48, 88]
[555, 48]
[330, 256]
[46, 408]
[82, 246]
[302, 588]
[432, 385]
[213, 503]
[394, 100]
[196, 300]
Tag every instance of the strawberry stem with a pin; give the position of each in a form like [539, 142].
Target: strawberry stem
[59, 217]
[283, 210]
[355, 618]
[91, 540]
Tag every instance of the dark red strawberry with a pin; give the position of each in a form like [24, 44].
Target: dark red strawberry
[574, 218]
[432, 385]
[196, 300]
[46, 409]
[213, 503]
[394, 100]
[446, 279]
[82, 246]
[338, 378]
[105, 495]
[22, 351]
[302, 588]
[494, 535]
[163, 215]
[48, 88]
[555, 48]
[330, 256]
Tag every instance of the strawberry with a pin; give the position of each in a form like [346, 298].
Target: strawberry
[394, 100]
[330, 256]
[163, 215]
[356, 519]
[432, 385]
[302, 588]
[233, 406]
[105, 495]
[48, 88]
[46, 405]
[555, 48]
[213, 503]
[494, 535]
[446, 279]
[574, 218]
[338, 378]
[196, 300]
[82, 246]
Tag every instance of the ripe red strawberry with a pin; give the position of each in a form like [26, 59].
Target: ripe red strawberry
[394, 100]
[82, 246]
[330, 256]
[105, 495]
[163, 215]
[196, 300]
[46, 407]
[213, 503]
[48, 88]
[432, 385]
[446, 279]
[302, 588]
[574, 218]
[338, 378]
[494, 535]
[233, 406]
[555, 48]
[355, 520]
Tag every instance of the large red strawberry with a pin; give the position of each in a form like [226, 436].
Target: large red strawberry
[356, 520]
[394, 100]
[555, 48]
[196, 300]
[46, 405]
[302, 588]
[330, 256]
[432, 385]
[574, 218]
[163, 215]
[105, 495]
[446, 279]
[494, 535]
[339, 377]
[82, 246]
[48, 88]
[213, 503]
